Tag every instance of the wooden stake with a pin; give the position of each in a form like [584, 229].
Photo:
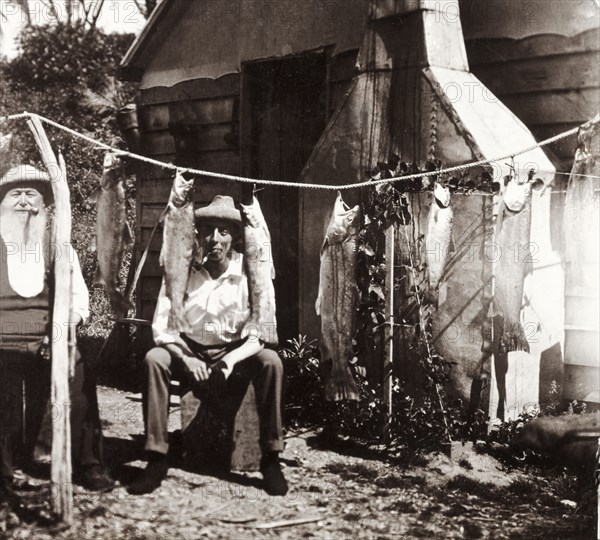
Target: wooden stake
[388, 359]
[62, 495]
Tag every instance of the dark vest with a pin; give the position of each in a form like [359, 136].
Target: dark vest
[24, 322]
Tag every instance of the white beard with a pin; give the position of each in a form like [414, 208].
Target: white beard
[23, 234]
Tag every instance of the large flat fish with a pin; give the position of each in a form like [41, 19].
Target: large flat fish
[438, 239]
[112, 232]
[178, 247]
[336, 302]
[258, 261]
[513, 262]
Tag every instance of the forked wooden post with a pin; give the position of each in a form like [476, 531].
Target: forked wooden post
[62, 495]
[388, 358]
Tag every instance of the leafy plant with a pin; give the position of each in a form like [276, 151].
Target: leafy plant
[302, 389]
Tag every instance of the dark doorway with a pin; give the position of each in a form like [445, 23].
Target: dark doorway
[283, 116]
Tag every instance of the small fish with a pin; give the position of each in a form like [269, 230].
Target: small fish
[336, 302]
[258, 261]
[514, 262]
[178, 247]
[112, 232]
[438, 241]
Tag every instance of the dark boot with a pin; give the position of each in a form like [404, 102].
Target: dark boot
[274, 481]
[152, 476]
[95, 478]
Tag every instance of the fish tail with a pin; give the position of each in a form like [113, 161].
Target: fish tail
[98, 279]
[178, 321]
[513, 338]
[341, 386]
[120, 305]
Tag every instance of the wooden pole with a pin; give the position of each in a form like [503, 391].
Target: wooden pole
[62, 495]
[388, 358]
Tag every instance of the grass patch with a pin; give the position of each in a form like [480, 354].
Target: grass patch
[465, 464]
[392, 482]
[402, 507]
[349, 472]
[485, 490]
[525, 489]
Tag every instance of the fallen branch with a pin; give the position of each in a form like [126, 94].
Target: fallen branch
[288, 522]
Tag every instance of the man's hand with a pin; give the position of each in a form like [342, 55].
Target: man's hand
[198, 369]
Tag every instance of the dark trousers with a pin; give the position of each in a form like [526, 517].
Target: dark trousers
[264, 370]
[17, 368]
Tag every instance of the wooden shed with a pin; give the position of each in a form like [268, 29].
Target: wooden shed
[248, 87]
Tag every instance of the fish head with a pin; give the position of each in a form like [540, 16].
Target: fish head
[253, 215]
[516, 195]
[344, 222]
[110, 168]
[442, 195]
[181, 192]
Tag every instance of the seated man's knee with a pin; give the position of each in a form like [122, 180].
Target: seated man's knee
[158, 357]
[270, 360]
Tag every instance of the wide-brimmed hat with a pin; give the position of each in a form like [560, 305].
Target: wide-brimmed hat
[221, 207]
[27, 174]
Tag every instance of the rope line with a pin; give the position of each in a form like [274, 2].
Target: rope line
[282, 183]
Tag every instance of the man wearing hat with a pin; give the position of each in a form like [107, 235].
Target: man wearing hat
[220, 351]
[26, 299]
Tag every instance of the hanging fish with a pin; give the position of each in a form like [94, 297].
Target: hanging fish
[580, 222]
[112, 232]
[513, 263]
[258, 261]
[336, 302]
[438, 241]
[179, 242]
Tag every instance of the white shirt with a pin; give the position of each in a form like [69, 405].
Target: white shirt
[217, 309]
[26, 274]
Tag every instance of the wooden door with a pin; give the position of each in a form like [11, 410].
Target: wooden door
[284, 102]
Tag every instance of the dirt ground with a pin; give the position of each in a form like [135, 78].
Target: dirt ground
[350, 491]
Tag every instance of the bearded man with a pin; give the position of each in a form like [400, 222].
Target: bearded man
[26, 299]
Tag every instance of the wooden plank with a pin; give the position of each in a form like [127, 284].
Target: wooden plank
[541, 108]
[154, 118]
[61, 346]
[212, 137]
[337, 93]
[342, 66]
[151, 288]
[226, 162]
[541, 74]
[581, 347]
[388, 358]
[227, 85]
[207, 111]
[563, 149]
[152, 266]
[147, 307]
[156, 243]
[581, 311]
[150, 214]
[485, 51]
[159, 142]
[581, 383]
